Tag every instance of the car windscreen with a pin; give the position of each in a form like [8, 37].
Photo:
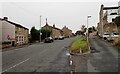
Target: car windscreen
[115, 33]
[107, 34]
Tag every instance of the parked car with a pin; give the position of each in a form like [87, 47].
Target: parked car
[49, 39]
[110, 36]
[114, 35]
[61, 37]
[106, 35]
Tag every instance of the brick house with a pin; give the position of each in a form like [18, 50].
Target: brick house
[55, 32]
[67, 32]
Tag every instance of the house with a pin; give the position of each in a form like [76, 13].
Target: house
[13, 33]
[8, 33]
[106, 18]
[67, 32]
[55, 32]
[110, 27]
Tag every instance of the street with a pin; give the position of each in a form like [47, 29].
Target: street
[60, 37]
[51, 57]
[44, 57]
[106, 57]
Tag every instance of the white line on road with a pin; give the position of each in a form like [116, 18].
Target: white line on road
[71, 72]
[16, 65]
[71, 62]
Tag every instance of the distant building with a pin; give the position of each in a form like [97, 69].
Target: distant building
[106, 18]
[110, 27]
[13, 34]
[67, 32]
[55, 32]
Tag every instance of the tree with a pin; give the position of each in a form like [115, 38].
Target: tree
[45, 33]
[117, 21]
[93, 28]
[90, 30]
[78, 33]
[83, 30]
[34, 34]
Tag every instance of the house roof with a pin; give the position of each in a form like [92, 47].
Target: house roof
[53, 27]
[18, 25]
[107, 8]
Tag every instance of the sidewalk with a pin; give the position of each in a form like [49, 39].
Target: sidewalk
[16, 47]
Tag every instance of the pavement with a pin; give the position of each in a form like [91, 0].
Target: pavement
[105, 58]
[45, 57]
[20, 46]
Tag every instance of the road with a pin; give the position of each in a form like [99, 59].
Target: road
[51, 57]
[106, 58]
[44, 57]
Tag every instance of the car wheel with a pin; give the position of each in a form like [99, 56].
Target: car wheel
[105, 38]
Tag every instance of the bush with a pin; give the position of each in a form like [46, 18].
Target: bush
[117, 41]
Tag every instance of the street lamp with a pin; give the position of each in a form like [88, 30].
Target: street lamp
[40, 28]
[87, 26]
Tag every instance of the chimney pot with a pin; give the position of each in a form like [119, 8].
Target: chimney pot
[54, 25]
[5, 18]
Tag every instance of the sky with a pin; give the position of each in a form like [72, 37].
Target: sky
[70, 14]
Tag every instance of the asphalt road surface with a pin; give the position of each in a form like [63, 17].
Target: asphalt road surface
[51, 57]
[44, 57]
[106, 57]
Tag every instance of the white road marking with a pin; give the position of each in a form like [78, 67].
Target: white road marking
[16, 65]
[68, 54]
[71, 62]
[71, 72]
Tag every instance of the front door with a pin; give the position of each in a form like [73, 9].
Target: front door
[13, 43]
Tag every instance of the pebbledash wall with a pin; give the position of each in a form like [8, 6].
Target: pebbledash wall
[8, 33]
[13, 34]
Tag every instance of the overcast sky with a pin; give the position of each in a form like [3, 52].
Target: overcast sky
[70, 14]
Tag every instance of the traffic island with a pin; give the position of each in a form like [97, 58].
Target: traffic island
[80, 47]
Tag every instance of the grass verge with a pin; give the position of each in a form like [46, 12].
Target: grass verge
[79, 45]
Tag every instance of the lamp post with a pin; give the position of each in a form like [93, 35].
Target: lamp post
[87, 27]
[40, 28]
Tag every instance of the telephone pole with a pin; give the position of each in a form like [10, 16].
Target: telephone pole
[40, 28]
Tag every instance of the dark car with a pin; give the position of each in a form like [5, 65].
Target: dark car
[49, 39]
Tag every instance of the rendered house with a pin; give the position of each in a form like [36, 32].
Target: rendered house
[13, 34]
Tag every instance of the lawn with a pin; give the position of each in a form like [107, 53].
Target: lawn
[79, 44]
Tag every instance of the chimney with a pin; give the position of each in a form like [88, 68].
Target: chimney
[54, 26]
[5, 18]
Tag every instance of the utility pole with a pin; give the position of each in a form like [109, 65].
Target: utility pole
[40, 28]
[87, 27]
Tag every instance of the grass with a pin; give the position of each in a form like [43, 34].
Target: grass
[79, 44]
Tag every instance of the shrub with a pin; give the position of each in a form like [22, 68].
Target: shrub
[117, 41]
[79, 44]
